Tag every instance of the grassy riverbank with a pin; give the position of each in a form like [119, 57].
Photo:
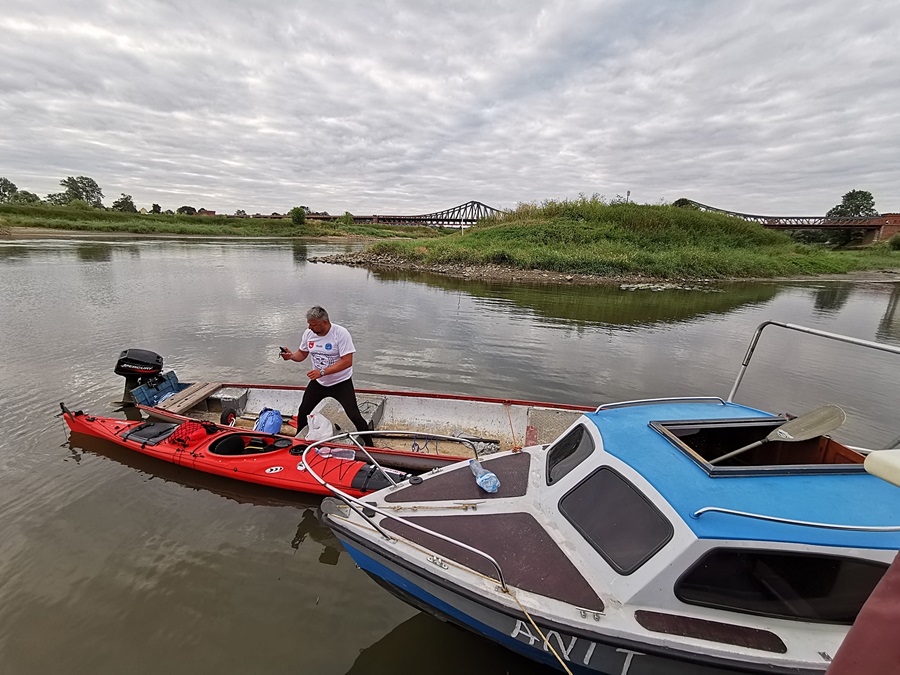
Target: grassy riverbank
[97, 220]
[589, 237]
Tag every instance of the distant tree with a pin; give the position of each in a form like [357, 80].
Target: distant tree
[79, 204]
[169, 212]
[24, 197]
[57, 199]
[855, 204]
[240, 213]
[125, 204]
[346, 219]
[7, 190]
[155, 209]
[684, 203]
[186, 210]
[83, 188]
[298, 215]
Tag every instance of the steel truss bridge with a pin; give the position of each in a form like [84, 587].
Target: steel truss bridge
[799, 222]
[459, 216]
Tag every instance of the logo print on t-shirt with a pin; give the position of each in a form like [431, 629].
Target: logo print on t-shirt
[328, 346]
[311, 344]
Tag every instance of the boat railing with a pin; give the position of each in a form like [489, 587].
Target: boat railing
[789, 521]
[802, 329]
[654, 401]
[367, 511]
[353, 437]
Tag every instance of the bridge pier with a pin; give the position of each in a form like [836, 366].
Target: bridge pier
[890, 227]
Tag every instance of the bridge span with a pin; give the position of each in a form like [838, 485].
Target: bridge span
[463, 215]
[877, 228]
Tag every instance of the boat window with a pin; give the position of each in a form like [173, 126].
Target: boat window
[568, 453]
[805, 586]
[616, 519]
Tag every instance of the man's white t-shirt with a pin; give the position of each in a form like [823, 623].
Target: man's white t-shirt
[325, 351]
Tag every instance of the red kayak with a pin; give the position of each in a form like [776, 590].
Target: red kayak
[251, 456]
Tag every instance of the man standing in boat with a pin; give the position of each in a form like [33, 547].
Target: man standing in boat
[331, 350]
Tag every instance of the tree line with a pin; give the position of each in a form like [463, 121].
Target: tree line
[84, 192]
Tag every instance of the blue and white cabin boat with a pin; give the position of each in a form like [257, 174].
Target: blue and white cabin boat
[632, 544]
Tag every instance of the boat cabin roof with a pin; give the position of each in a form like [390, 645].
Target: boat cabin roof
[838, 495]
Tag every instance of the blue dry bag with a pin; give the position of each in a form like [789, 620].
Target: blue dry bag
[269, 421]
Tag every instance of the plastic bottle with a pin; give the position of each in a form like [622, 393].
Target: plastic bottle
[487, 480]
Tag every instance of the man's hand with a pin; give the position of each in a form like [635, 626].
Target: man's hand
[286, 354]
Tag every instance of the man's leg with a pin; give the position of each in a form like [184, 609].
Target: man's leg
[343, 393]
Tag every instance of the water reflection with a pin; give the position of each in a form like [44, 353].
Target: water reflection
[424, 644]
[889, 326]
[602, 304]
[299, 251]
[94, 252]
[832, 297]
[233, 490]
[310, 526]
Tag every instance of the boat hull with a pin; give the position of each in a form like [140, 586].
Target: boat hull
[582, 652]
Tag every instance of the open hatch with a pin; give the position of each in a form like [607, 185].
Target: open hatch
[706, 441]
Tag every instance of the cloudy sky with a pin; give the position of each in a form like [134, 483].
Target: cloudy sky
[414, 106]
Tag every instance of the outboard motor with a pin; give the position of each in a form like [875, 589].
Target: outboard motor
[137, 366]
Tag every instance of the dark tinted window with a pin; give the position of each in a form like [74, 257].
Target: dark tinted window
[568, 453]
[806, 586]
[616, 519]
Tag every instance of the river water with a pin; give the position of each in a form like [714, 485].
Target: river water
[112, 562]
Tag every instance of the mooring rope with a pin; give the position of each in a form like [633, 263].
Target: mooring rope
[512, 430]
[540, 632]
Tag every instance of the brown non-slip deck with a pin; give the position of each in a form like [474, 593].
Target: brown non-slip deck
[529, 558]
[714, 631]
[512, 470]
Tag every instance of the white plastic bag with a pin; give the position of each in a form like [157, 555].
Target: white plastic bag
[319, 427]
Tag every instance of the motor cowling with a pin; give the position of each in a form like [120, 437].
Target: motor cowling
[137, 366]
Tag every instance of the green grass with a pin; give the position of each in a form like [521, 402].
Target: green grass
[96, 220]
[590, 237]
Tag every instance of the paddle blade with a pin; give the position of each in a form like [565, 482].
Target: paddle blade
[885, 464]
[815, 423]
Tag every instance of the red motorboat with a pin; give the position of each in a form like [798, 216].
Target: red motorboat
[255, 456]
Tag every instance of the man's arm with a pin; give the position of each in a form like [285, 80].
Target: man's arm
[298, 355]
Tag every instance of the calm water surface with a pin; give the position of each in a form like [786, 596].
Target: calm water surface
[111, 562]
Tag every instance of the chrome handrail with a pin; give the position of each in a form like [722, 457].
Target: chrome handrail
[802, 329]
[360, 507]
[354, 435]
[789, 521]
[653, 401]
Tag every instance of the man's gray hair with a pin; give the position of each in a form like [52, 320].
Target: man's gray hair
[316, 314]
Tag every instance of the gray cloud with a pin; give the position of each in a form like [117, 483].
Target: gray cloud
[409, 107]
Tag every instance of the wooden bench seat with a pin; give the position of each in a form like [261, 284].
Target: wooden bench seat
[187, 398]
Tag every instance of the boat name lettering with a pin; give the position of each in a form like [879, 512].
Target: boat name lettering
[523, 629]
[274, 469]
[629, 655]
